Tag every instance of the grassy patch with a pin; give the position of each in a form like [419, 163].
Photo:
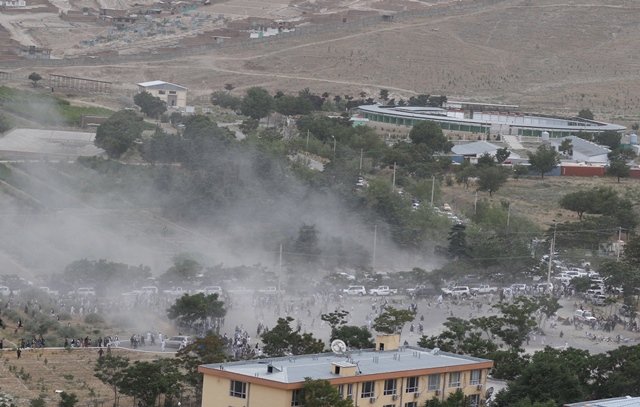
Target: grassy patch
[46, 109]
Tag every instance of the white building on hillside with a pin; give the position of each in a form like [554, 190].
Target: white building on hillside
[173, 95]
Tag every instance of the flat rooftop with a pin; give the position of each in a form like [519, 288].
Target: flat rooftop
[368, 362]
[52, 143]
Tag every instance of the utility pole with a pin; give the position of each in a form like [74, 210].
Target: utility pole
[280, 268]
[375, 243]
[394, 177]
[433, 188]
[307, 140]
[361, 155]
[334, 147]
[618, 243]
[552, 249]
[508, 216]
[475, 204]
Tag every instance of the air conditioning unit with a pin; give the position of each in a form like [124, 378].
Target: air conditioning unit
[372, 400]
[437, 392]
[394, 397]
[416, 395]
[479, 387]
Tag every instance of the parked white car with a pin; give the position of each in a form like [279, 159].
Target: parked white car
[355, 290]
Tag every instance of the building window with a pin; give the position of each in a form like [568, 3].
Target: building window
[454, 379]
[296, 397]
[238, 389]
[434, 382]
[476, 375]
[368, 390]
[474, 400]
[389, 387]
[350, 391]
[161, 92]
[172, 92]
[389, 405]
[341, 390]
[411, 404]
[412, 384]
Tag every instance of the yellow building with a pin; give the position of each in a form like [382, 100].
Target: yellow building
[396, 376]
[173, 95]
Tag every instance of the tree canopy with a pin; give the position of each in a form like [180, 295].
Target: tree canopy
[490, 179]
[117, 134]
[283, 340]
[150, 105]
[430, 134]
[392, 320]
[544, 159]
[196, 309]
[257, 103]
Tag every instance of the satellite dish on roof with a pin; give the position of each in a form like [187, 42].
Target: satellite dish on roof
[338, 347]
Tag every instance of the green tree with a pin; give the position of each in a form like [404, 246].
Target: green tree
[34, 77]
[616, 372]
[490, 179]
[40, 401]
[579, 202]
[517, 321]
[147, 381]
[293, 105]
[471, 337]
[198, 308]
[430, 134]
[609, 138]
[619, 169]
[109, 369]
[229, 87]
[384, 94]
[552, 375]
[150, 105]
[282, 339]
[458, 241]
[502, 154]
[520, 170]
[306, 246]
[225, 100]
[67, 399]
[585, 114]
[5, 123]
[336, 318]
[581, 284]
[486, 160]
[566, 147]
[455, 399]
[321, 393]
[117, 134]
[464, 172]
[544, 159]
[257, 103]
[210, 349]
[392, 320]
[355, 337]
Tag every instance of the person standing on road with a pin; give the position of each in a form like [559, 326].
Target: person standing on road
[162, 344]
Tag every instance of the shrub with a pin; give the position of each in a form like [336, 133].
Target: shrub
[93, 319]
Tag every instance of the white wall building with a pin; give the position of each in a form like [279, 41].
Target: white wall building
[173, 95]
